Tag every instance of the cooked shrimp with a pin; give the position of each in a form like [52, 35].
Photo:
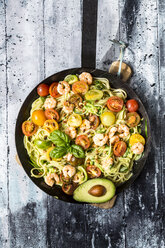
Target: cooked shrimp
[106, 163]
[68, 171]
[68, 107]
[51, 179]
[68, 156]
[114, 139]
[86, 77]
[71, 131]
[137, 148]
[50, 103]
[78, 177]
[100, 140]
[123, 130]
[63, 88]
[112, 132]
[85, 125]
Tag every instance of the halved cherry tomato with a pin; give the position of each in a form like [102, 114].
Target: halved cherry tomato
[75, 99]
[133, 119]
[119, 148]
[43, 90]
[83, 141]
[135, 138]
[115, 103]
[52, 114]
[38, 117]
[80, 87]
[68, 188]
[93, 171]
[53, 90]
[50, 125]
[65, 180]
[107, 118]
[74, 120]
[132, 105]
[94, 120]
[29, 128]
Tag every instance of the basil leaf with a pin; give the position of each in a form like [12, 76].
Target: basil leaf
[77, 151]
[58, 152]
[59, 138]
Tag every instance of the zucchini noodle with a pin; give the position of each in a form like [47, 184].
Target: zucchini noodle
[117, 169]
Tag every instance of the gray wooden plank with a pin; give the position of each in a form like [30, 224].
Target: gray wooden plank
[25, 57]
[3, 132]
[62, 19]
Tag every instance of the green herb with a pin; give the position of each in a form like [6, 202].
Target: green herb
[98, 85]
[77, 151]
[58, 152]
[146, 128]
[59, 138]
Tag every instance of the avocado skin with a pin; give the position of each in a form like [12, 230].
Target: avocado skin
[81, 193]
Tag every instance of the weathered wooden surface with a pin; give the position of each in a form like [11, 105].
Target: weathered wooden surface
[39, 38]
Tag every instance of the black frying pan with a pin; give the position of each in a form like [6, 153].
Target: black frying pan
[25, 111]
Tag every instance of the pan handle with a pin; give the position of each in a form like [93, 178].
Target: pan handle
[89, 33]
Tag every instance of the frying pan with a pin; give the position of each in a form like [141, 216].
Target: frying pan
[24, 113]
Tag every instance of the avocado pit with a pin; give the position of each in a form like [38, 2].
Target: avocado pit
[97, 190]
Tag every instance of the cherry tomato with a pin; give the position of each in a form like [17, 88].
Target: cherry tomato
[119, 148]
[53, 90]
[50, 125]
[115, 103]
[74, 120]
[93, 171]
[132, 105]
[42, 144]
[107, 119]
[94, 120]
[80, 87]
[68, 188]
[75, 99]
[29, 128]
[83, 141]
[133, 119]
[93, 95]
[38, 117]
[43, 90]
[135, 138]
[76, 161]
[52, 114]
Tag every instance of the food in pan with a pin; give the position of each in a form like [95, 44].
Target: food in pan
[83, 136]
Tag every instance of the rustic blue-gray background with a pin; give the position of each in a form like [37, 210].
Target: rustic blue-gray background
[39, 38]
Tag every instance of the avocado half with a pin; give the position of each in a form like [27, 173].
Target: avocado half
[96, 190]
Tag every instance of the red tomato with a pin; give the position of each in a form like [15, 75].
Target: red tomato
[133, 119]
[119, 148]
[93, 171]
[29, 128]
[43, 90]
[83, 141]
[115, 103]
[53, 90]
[80, 87]
[94, 120]
[132, 105]
[68, 188]
[52, 114]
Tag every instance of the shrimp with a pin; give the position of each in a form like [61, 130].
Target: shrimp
[51, 179]
[50, 103]
[137, 148]
[114, 139]
[68, 171]
[106, 163]
[112, 132]
[86, 77]
[63, 88]
[85, 125]
[123, 130]
[78, 177]
[71, 131]
[68, 156]
[68, 107]
[100, 140]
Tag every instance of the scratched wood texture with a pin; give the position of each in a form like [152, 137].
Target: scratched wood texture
[39, 38]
